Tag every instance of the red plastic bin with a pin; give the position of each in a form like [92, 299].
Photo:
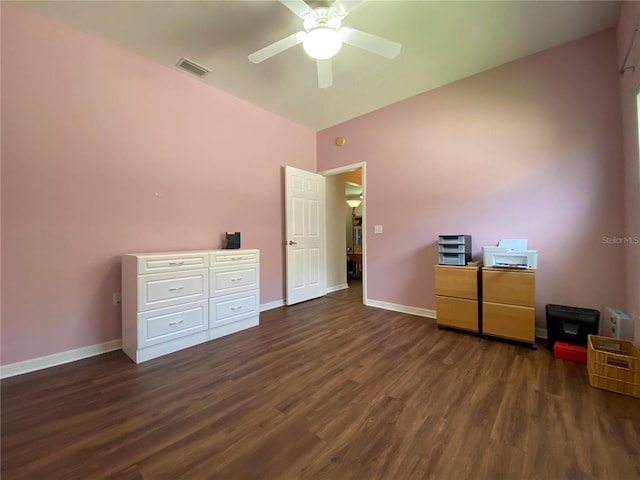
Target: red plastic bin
[573, 353]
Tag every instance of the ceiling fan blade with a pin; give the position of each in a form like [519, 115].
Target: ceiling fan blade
[344, 7]
[277, 47]
[325, 73]
[372, 43]
[298, 7]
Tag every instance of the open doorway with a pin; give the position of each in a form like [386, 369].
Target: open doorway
[346, 232]
[353, 230]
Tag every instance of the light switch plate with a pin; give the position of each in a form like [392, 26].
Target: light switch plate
[377, 229]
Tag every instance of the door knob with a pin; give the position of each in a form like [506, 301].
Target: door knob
[291, 242]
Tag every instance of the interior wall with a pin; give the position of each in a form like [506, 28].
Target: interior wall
[1, 195]
[335, 232]
[531, 149]
[630, 85]
[105, 153]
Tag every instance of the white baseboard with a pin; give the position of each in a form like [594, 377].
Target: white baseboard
[39, 363]
[337, 287]
[541, 333]
[271, 305]
[421, 312]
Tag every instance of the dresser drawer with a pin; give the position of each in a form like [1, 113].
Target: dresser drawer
[172, 262]
[509, 321]
[157, 326]
[165, 289]
[223, 258]
[231, 308]
[457, 313]
[228, 280]
[461, 282]
[509, 286]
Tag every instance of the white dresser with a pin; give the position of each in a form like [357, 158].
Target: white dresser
[175, 300]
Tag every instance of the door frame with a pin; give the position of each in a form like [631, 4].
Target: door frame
[346, 169]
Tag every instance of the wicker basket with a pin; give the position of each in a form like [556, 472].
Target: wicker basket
[614, 365]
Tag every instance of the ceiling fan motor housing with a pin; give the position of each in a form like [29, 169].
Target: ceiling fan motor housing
[322, 18]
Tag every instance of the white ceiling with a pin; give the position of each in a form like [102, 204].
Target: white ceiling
[441, 42]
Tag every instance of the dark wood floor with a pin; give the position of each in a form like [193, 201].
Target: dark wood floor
[353, 293]
[328, 389]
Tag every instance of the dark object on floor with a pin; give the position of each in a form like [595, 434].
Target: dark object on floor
[570, 324]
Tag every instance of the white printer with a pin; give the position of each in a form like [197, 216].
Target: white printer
[511, 253]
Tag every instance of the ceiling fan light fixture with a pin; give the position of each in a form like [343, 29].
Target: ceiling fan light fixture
[322, 43]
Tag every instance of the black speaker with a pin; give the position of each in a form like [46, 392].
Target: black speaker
[232, 240]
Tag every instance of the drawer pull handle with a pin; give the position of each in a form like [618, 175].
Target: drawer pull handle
[175, 289]
[236, 308]
[176, 263]
[236, 258]
[178, 322]
[236, 279]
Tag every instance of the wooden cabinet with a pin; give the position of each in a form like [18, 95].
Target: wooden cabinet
[508, 304]
[457, 294]
[175, 300]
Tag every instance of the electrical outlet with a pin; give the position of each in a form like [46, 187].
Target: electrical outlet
[117, 300]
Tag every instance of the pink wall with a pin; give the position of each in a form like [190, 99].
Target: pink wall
[1, 195]
[104, 153]
[531, 149]
[629, 86]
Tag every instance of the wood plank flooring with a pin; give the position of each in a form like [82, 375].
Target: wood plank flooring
[328, 389]
[353, 293]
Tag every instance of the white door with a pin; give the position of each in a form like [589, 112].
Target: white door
[304, 216]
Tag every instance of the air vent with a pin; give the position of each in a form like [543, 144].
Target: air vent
[193, 67]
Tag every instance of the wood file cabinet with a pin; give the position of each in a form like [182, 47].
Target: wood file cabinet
[457, 295]
[508, 304]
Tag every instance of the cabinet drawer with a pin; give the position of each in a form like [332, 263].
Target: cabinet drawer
[233, 257]
[459, 282]
[231, 308]
[227, 280]
[457, 312]
[172, 262]
[157, 326]
[509, 321]
[165, 289]
[509, 286]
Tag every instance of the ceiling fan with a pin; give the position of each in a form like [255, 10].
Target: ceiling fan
[323, 36]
